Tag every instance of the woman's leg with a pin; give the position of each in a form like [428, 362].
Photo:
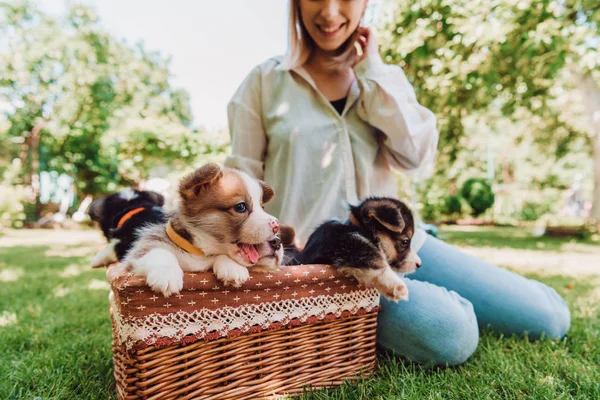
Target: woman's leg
[434, 326]
[505, 301]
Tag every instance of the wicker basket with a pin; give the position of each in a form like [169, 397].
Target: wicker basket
[319, 331]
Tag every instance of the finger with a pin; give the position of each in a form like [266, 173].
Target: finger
[359, 49]
[366, 32]
[363, 30]
[363, 41]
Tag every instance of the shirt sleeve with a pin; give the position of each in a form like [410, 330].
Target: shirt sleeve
[388, 102]
[248, 137]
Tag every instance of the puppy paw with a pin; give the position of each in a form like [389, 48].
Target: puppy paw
[266, 264]
[106, 256]
[391, 286]
[264, 269]
[161, 269]
[167, 281]
[230, 272]
[98, 261]
[396, 293]
[235, 278]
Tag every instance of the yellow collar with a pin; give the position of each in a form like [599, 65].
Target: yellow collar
[181, 242]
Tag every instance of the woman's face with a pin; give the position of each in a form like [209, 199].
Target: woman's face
[331, 22]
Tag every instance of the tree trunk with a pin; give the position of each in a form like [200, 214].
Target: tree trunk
[591, 95]
[31, 152]
[35, 165]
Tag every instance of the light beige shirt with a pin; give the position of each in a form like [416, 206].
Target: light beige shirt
[284, 131]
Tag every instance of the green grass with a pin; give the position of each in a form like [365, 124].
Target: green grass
[55, 331]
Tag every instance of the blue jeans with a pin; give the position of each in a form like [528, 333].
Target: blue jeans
[454, 294]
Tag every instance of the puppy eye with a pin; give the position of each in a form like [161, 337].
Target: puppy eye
[241, 207]
[405, 243]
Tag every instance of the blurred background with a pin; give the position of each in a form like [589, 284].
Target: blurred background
[100, 95]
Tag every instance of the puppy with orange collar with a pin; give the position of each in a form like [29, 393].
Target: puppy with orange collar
[219, 224]
[120, 216]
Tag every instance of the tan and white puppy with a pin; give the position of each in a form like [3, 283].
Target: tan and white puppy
[221, 218]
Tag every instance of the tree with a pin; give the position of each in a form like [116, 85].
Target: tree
[81, 102]
[465, 57]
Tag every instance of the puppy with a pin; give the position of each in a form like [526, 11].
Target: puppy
[372, 244]
[120, 216]
[219, 223]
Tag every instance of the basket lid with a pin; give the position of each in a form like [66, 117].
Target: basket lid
[206, 309]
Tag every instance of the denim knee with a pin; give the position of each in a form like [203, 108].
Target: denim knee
[553, 317]
[457, 339]
[435, 327]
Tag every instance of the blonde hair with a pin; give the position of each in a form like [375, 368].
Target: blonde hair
[301, 45]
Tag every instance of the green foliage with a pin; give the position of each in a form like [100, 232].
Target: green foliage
[465, 56]
[89, 105]
[533, 211]
[510, 65]
[12, 206]
[452, 205]
[431, 193]
[478, 194]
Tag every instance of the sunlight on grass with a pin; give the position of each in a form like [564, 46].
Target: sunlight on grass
[96, 284]
[61, 291]
[7, 318]
[69, 251]
[10, 274]
[549, 380]
[72, 270]
[519, 251]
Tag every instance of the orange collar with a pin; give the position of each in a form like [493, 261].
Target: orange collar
[129, 214]
[181, 242]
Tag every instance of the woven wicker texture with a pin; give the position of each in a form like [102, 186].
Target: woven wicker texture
[207, 310]
[259, 365]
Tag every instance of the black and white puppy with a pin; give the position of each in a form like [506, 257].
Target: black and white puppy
[120, 215]
[372, 245]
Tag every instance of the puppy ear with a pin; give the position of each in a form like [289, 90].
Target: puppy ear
[268, 192]
[156, 198]
[96, 209]
[191, 185]
[389, 217]
[354, 215]
[287, 234]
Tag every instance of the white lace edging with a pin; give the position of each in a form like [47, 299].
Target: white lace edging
[175, 326]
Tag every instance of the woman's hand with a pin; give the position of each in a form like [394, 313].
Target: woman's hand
[367, 43]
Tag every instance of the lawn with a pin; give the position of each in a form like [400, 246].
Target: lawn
[55, 330]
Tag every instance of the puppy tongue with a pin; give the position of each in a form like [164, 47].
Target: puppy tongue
[250, 252]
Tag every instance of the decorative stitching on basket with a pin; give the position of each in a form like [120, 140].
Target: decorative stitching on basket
[204, 324]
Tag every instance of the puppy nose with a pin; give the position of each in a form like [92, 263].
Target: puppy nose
[275, 243]
[418, 263]
[274, 225]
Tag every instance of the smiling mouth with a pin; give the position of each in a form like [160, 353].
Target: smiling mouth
[330, 30]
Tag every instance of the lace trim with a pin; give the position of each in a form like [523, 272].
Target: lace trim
[204, 324]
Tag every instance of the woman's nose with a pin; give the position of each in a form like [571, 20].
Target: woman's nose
[331, 8]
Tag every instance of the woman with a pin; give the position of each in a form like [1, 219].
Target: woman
[324, 126]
